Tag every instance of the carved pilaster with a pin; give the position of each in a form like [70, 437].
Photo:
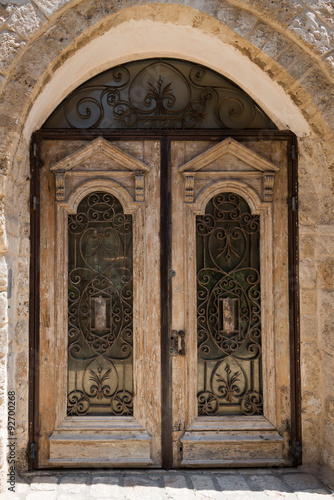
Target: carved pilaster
[139, 186]
[268, 186]
[189, 187]
[60, 186]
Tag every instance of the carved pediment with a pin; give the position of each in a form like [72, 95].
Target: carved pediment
[103, 159]
[229, 159]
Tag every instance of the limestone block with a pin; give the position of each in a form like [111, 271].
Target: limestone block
[261, 34]
[58, 38]
[307, 273]
[324, 9]
[326, 273]
[227, 14]
[326, 304]
[307, 243]
[309, 327]
[25, 20]
[23, 274]
[3, 308]
[328, 332]
[311, 29]
[74, 22]
[274, 45]
[10, 44]
[244, 24]
[319, 88]
[308, 208]
[21, 365]
[283, 11]
[49, 7]
[94, 11]
[329, 405]
[310, 367]
[311, 440]
[311, 403]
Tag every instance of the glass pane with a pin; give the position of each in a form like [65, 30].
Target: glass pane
[100, 308]
[228, 308]
[159, 94]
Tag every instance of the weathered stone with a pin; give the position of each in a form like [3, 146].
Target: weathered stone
[307, 244]
[74, 22]
[49, 7]
[233, 483]
[308, 301]
[302, 482]
[105, 486]
[326, 273]
[44, 483]
[309, 27]
[10, 44]
[25, 20]
[307, 273]
[74, 484]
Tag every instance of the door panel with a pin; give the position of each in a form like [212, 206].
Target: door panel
[216, 432]
[93, 426]
[212, 421]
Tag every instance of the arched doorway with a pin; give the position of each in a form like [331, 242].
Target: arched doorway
[165, 301]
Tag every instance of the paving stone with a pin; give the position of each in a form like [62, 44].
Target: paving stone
[232, 483]
[143, 487]
[176, 488]
[204, 486]
[44, 483]
[72, 484]
[269, 484]
[105, 486]
[301, 481]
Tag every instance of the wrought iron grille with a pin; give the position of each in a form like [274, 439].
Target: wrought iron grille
[159, 94]
[228, 308]
[100, 308]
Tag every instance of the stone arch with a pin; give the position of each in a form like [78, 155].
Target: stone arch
[270, 43]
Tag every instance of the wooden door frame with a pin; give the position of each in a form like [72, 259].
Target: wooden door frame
[165, 137]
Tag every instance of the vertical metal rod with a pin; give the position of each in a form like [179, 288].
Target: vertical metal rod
[296, 430]
[34, 299]
[166, 302]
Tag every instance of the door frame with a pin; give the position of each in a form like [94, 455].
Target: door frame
[165, 137]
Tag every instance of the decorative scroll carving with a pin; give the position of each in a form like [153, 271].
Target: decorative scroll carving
[139, 186]
[268, 186]
[159, 94]
[189, 186]
[229, 308]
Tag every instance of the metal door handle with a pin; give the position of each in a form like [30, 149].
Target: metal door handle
[177, 344]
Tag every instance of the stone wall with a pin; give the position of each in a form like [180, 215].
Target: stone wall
[292, 42]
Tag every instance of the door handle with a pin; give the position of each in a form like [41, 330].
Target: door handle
[177, 344]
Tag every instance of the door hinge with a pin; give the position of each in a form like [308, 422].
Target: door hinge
[293, 152]
[32, 450]
[34, 202]
[296, 449]
[293, 203]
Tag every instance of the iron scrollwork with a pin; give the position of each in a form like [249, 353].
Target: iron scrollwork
[229, 308]
[100, 308]
[159, 94]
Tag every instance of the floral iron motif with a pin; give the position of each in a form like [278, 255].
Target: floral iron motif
[229, 308]
[100, 308]
[159, 94]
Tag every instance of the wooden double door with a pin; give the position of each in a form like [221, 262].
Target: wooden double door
[164, 324]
